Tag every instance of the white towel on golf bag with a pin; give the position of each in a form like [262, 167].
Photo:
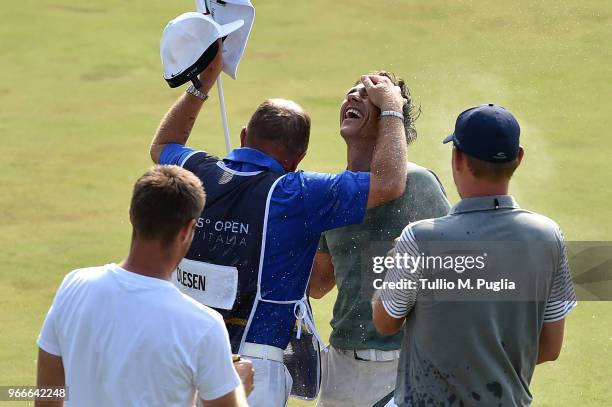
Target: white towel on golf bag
[224, 12]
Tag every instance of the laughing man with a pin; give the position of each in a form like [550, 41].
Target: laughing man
[360, 366]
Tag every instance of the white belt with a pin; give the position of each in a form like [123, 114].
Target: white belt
[373, 355]
[259, 351]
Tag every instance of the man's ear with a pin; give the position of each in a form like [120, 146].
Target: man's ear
[186, 233]
[521, 154]
[300, 158]
[458, 159]
[243, 134]
[292, 165]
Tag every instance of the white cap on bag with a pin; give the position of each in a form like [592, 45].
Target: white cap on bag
[189, 44]
[224, 12]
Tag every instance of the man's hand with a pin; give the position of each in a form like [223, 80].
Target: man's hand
[209, 76]
[383, 93]
[176, 126]
[246, 372]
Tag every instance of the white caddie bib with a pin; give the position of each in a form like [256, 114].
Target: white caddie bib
[210, 284]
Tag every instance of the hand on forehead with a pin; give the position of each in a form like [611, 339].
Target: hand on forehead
[360, 88]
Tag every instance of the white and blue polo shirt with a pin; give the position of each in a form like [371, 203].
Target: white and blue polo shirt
[299, 206]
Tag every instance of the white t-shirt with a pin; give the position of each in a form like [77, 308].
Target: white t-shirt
[131, 340]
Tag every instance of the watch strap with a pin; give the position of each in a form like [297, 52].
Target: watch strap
[392, 113]
[197, 93]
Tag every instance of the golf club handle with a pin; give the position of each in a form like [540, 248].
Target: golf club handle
[228, 146]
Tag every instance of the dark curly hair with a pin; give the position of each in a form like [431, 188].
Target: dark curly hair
[411, 113]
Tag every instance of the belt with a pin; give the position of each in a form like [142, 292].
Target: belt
[236, 321]
[373, 355]
[243, 322]
[259, 351]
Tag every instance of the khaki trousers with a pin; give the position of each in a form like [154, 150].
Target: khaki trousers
[349, 382]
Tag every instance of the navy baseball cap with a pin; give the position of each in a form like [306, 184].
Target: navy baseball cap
[487, 132]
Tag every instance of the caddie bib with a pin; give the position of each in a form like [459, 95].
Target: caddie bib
[223, 267]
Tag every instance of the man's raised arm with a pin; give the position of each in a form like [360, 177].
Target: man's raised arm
[388, 169]
[176, 125]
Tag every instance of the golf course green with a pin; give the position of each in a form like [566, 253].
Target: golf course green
[81, 94]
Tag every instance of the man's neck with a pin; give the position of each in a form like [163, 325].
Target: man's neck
[149, 258]
[475, 191]
[273, 150]
[359, 156]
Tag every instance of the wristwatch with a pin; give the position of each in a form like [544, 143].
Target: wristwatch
[196, 92]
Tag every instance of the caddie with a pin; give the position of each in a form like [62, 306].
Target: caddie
[360, 366]
[476, 324]
[252, 254]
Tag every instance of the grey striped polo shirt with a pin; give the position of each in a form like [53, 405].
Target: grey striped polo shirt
[471, 332]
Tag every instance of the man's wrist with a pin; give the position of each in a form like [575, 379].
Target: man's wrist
[198, 93]
[392, 113]
[207, 83]
[392, 105]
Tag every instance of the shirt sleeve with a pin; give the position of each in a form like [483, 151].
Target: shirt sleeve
[334, 200]
[216, 375]
[426, 195]
[562, 298]
[439, 200]
[323, 248]
[398, 302]
[48, 339]
[176, 154]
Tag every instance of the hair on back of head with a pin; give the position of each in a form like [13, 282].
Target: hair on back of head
[281, 121]
[488, 171]
[164, 200]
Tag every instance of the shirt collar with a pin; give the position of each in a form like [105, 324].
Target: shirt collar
[484, 203]
[255, 157]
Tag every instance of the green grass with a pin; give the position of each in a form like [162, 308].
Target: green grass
[81, 95]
